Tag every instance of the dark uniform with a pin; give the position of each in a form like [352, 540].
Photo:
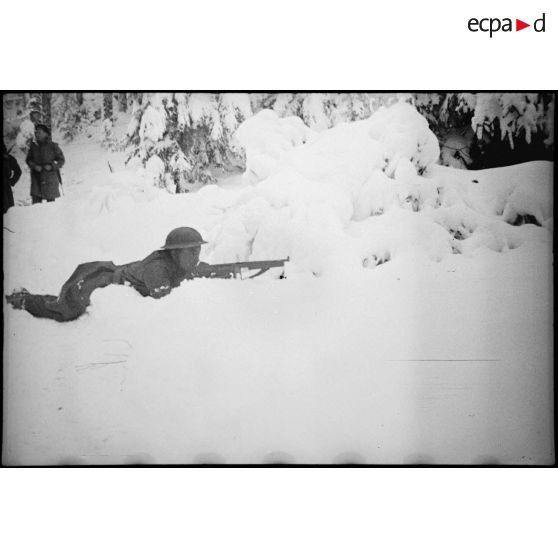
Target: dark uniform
[45, 183]
[155, 276]
[11, 173]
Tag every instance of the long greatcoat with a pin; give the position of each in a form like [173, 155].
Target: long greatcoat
[45, 183]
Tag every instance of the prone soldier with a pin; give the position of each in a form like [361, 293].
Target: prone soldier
[155, 276]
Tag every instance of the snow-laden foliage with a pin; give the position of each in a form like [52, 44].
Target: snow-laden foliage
[182, 138]
[519, 114]
[108, 139]
[320, 111]
[475, 130]
[480, 129]
[376, 180]
[73, 115]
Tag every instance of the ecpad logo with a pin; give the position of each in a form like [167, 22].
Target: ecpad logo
[494, 24]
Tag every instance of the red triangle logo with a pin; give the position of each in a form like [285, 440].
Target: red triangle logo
[519, 25]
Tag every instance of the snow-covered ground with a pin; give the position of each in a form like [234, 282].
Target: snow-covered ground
[415, 324]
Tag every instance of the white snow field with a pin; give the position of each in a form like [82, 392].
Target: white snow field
[414, 326]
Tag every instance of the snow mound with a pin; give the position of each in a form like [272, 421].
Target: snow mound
[364, 193]
[345, 154]
[266, 138]
[507, 193]
[404, 134]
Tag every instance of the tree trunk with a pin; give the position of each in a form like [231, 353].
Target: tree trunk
[47, 109]
[123, 101]
[79, 98]
[107, 106]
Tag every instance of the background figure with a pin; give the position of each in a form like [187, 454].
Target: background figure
[10, 175]
[45, 158]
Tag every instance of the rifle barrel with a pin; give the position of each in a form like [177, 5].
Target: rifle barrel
[260, 264]
[235, 267]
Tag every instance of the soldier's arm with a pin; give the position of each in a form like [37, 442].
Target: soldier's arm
[59, 159]
[31, 162]
[157, 281]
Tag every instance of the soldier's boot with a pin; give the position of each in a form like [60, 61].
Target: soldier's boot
[17, 298]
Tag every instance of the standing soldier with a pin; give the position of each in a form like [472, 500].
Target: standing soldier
[45, 158]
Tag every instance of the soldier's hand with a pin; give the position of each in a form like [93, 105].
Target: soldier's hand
[38, 168]
[47, 167]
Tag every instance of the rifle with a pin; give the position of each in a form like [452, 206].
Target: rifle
[234, 270]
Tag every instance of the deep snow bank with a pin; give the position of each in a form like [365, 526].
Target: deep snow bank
[364, 192]
[446, 363]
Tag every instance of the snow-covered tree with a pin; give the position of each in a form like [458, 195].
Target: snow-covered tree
[519, 115]
[489, 129]
[512, 127]
[183, 138]
[74, 113]
[449, 117]
[321, 111]
[348, 107]
[187, 138]
[107, 137]
[107, 106]
[122, 101]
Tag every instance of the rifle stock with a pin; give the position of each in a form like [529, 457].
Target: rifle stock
[234, 270]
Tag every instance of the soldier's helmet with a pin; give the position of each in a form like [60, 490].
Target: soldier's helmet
[183, 237]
